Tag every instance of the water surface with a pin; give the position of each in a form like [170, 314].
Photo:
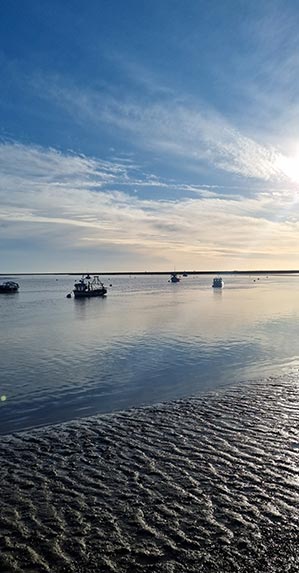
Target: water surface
[148, 341]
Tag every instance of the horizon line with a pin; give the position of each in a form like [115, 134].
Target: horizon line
[168, 272]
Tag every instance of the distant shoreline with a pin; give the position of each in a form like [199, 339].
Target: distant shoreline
[138, 273]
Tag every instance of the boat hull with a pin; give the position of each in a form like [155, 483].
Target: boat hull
[9, 288]
[90, 294]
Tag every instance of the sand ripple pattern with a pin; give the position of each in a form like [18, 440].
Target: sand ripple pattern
[202, 485]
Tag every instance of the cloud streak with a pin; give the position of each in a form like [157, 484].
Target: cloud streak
[67, 202]
[175, 126]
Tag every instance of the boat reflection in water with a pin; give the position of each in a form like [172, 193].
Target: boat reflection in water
[89, 286]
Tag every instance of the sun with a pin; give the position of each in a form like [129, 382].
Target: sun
[289, 166]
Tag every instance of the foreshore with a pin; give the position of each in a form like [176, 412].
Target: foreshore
[206, 484]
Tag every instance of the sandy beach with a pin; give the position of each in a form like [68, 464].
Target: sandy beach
[207, 484]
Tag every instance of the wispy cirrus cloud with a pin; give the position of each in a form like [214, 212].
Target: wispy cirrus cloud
[72, 202]
[175, 127]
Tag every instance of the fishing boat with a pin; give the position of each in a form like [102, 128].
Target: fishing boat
[9, 287]
[218, 282]
[89, 286]
[174, 278]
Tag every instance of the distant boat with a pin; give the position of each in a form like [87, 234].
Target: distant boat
[88, 287]
[174, 278]
[185, 274]
[9, 287]
[218, 282]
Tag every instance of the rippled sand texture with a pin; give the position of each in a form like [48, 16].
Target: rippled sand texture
[209, 484]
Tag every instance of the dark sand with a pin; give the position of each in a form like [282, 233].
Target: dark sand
[208, 484]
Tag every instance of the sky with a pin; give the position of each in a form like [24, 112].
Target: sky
[149, 135]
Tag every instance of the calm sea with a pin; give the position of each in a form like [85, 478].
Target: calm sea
[148, 341]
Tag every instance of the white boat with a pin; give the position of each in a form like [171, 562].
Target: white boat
[218, 282]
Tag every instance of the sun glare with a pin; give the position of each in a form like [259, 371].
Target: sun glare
[290, 166]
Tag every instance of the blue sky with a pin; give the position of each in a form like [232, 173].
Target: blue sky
[140, 135]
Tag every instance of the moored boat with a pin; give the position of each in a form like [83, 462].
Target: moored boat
[218, 282]
[89, 286]
[9, 287]
[174, 278]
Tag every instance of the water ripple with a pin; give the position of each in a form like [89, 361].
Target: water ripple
[208, 484]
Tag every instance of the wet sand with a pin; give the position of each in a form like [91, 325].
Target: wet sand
[201, 485]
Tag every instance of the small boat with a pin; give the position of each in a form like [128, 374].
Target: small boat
[9, 287]
[89, 286]
[174, 278]
[218, 282]
[185, 274]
